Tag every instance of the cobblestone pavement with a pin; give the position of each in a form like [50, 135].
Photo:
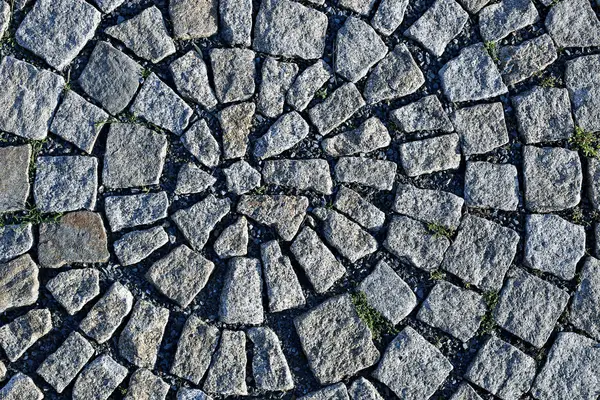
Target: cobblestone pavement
[312, 199]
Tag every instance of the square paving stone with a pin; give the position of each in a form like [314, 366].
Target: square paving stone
[573, 24]
[65, 183]
[502, 369]
[490, 185]
[134, 156]
[529, 307]
[193, 19]
[585, 313]
[14, 177]
[481, 128]
[412, 367]
[15, 240]
[582, 79]
[426, 114]
[233, 71]
[28, 98]
[23, 332]
[334, 325]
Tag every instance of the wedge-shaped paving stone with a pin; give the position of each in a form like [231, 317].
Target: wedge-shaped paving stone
[277, 77]
[553, 245]
[412, 367]
[158, 104]
[107, 314]
[140, 339]
[111, 78]
[489, 185]
[283, 213]
[573, 24]
[412, 242]
[180, 275]
[289, 130]
[426, 114]
[552, 178]
[481, 128]
[472, 75]
[397, 75]
[344, 102]
[201, 143]
[196, 345]
[502, 369]
[75, 288]
[362, 389]
[99, 379]
[60, 368]
[197, 222]
[544, 115]
[465, 392]
[236, 122]
[233, 71]
[518, 63]
[312, 174]
[321, 267]
[306, 85]
[362, 7]
[233, 241]
[334, 325]
[78, 237]
[453, 310]
[430, 155]
[498, 20]
[441, 23]
[136, 246]
[582, 78]
[15, 240]
[388, 293]
[283, 288]
[389, 16]
[358, 47]
[236, 22]
[192, 179]
[23, 332]
[333, 392]
[134, 210]
[369, 136]
[241, 297]
[191, 79]
[378, 174]
[14, 177]
[358, 209]
[227, 373]
[194, 19]
[145, 385]
[107, 6]
[134, 156]
[289, 29]
[431, 206]
[481, 253]
[269, 366]
[585, 314]
[19, 285]
[21, 387]
[241, 178]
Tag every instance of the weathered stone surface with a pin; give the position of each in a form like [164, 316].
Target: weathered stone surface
[389, 16]
[333, 392]
[194, 19]
[192, 394]
[196, 345]
[472, 75]
[289, 29]
[312, 174]
[236, 122]
[336, 109]
[498, 20]
[283, 213]
[335, 325]
[553, 245]
[306, 85]
[552, 178]
[73, 289]
[180, 275]
[99, 379]
[425, 114]
[5, 12]
[61, 367]
[318, 262]
[241, 297]
[441, 23]
[136, 246]
[502, 369]
[465, 392]
[593, 178]
[78, 237]
[233, 71]
[285, 133]
[454, 310]
[227, 373]
[191, 79]
[269, 366]
[21, 387]
[362, 389]
[362, 7]
[481, 253]
[144, 385]
[397, 75]
[277, 77]
[14, 177]
[140, 339]
[107, 314]
[283, 288]
[236, 22]
[107, 6]
[19, 285]
[358, 209]
[430, 155]
[573, 24]
[233, 241]
[585, 315]
[65, 183]
[481, 128]
[430, 206]
[15, 240]
[413, 243]
[201, 143]
[378, 174]
[192, 179]
[134, 210]
[518, 63]
[412, 367]
[582, 78]
[23, 332]
[489, 185]
[371, 135]
[241, 178]
[111, 78]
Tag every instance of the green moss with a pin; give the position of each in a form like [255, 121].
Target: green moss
[549, 82]
[377, 323]
[436, 275]
[492, 49]
[321, 93]
[439, 230]
[586, 142]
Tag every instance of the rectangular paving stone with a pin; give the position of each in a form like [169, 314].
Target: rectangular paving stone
[311, 174]
[21, 386]
[74, 288]
[498, 20]
[584, 312]
[358, 209]
[23, 332]
[227, 373]
[136, 246]
[427, 205]
[136, 209]
[233, 74]
[371, 135]
[19, 285]
[582, 79]
[269, 366]
[337, 108]
[378, 174]
[235, 18]
[241, 297]
[15, 240]
[518, 63]
[430, 155]
[99, 379]
[194, 19]
[14, 177]
[426, 114]
[389, 16]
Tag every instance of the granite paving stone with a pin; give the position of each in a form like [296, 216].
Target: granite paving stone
[190, 76]
[200, 142]
[389, 16]
[337, 108]
[14, 177]
[241, 178]
[137, 209]
[378, 174]
[283, 213]
[99, 379]
[583, 82]
[19, 284]
[358, 209]
[194, 19]
[362, 389]
[426, 114]
[306, 84]
[573, 24]
[371, 135]
[518, 63]
[235, 18]
[20, 387]
[332, 392]
[362, 7]
[489, 185]
[197, 221]
[285, 133]
[73, 289]
[5, 14]
[465, 392]
[15, 240]
[192, 179]
[498, 20]
[107, 6]
[430, 155]
[236, 122]
[233, 241]
[283, 287]
[311, 174]
[276, 79]
[23, 332]
[233, 71]
[584, 314]
[227, 373]
[269, 366]
[241, 298]
[481, 128]
[136, 246]
[143, 384]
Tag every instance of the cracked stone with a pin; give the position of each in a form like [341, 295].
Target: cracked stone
[426, 114]
[194, 19]
[191, 79]
[21, 387]
[145, 385]
[378, 174]
[585, 315]
[233, 71]
[192, 179]
[269, 366]
[358, 209]
[241, 298]
[241, 178]
[277, 77]
[282, 213]
[15, 240]
[389, 16]
[518, 63]
[200, 142]
[283, 288]
[307, 84]
[19, 285]
[289, 130]
[99, 379]
[227, 373]
[14, 177]
[573, 24]
[582, 78]
[337, 108]
[481, 128]
[430, 155]
[371, 135]
[489, 185]
[236, 22]
[236, 122]
[136, 246]
[233, 241]
[302, 175]
[23, 332]
[75, 288]
[430, 206]
[498, 20]
[134, 210]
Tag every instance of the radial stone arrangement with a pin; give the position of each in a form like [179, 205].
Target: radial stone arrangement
[311, 199]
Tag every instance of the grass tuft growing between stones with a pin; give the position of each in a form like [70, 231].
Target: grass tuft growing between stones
[436, 275]
[376, 322]
[488, 323]
[586, 142]
[492, 49]
[439, 230]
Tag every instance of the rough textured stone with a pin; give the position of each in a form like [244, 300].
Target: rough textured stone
[134, 210]
[192, 179]
[75, 288]
[283, 213]
[227, 373]
[78, 237]
[389, 16]
[19, 285]
[192, 394]
[473, 6]
[306, 85]
[333, 392]
[21, 387]
[573, 24]
[552, 178]
[5, 12]
[335, 325]
[233, 241]
[430, 155]
[201, 143]
[15, 240]
[197, 221]
[107, 6]
[362, 389]
[99, 379]
[362, 7]
[14, 177]
[425, 114]
[236, 122]
[481, 253]
[498, 20]
[277, 77]
[430, 206]
[234, 72]
[582, 78]
[191, 79]
[285, 133]
[269, 366]
[378, 174]
[241, 297]
[144, 385]
[490, 185]
[465, 392]
[236, 21]
[302, 175]
[180, 275]
[593, 177]
[136, 246]
[369, 136]
[518, 63]
[283, 288]
[194, 19]
[585, 315]
[481, 128]
[23, 332]
[412, 367]
[336, 109]
[241, 178]
[358, 209]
